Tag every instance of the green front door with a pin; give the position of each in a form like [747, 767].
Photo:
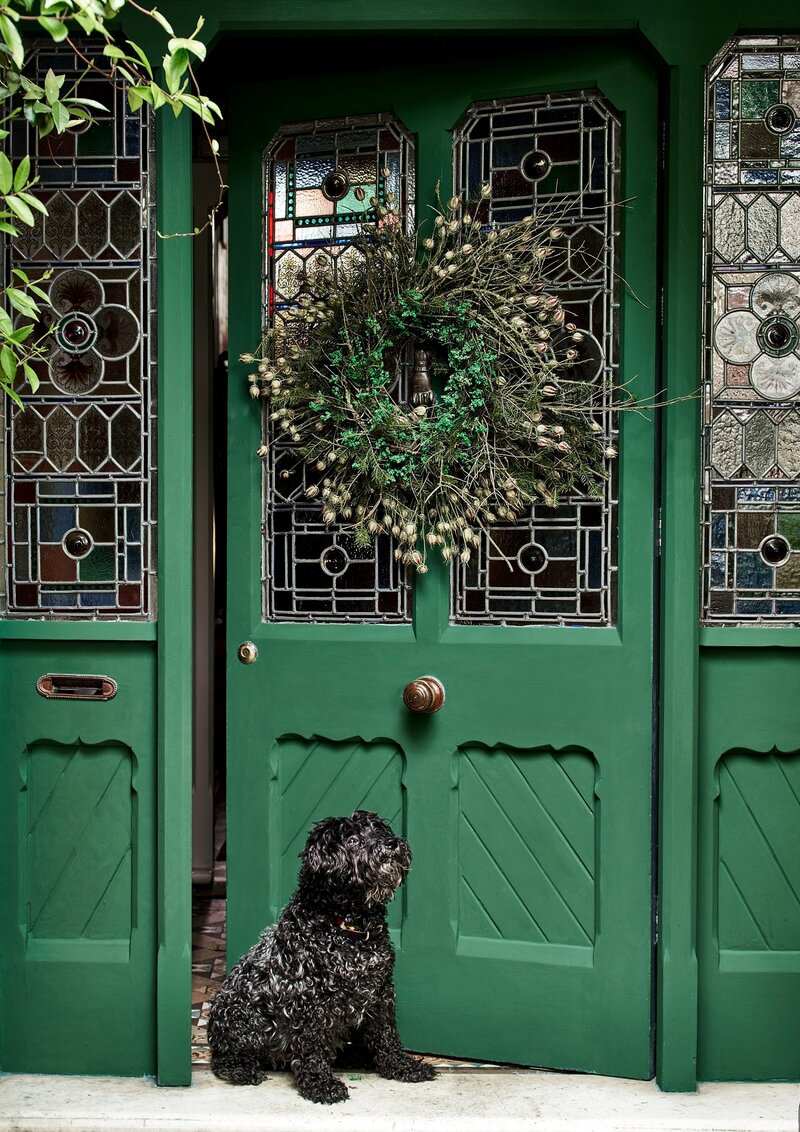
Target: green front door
[524, 933]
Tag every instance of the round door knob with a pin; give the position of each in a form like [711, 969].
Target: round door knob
[424, 696]
[247, 652]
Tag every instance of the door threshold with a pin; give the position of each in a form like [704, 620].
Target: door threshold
[528, 1100]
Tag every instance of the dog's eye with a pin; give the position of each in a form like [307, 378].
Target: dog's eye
[352, 841]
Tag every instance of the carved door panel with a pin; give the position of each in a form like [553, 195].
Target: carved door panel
[524, 931]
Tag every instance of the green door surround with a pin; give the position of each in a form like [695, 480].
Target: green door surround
[683, 36]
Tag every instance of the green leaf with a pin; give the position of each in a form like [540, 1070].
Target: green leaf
[22, 333]
[13, 395]
[174, 68]
[8, 363]
[22, 173]
[20, 302]
[111, 51]
[34, 202]
[159, 96]
[9, 228]
[86, 102]
[6, 175]
[30, 375]
[6, 325]
[60, 117]
[52, 85]
[56, 29]
[3, 134]
[165, 24]
[40, 294]
[11, 38]
[139, 94]
[142, 57]
[193, 45]
[20, 274]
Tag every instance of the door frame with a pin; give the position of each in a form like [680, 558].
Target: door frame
[683, 40]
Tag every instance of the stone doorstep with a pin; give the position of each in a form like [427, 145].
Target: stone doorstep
[458, 1101]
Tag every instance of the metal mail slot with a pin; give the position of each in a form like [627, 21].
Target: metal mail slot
[69, 686]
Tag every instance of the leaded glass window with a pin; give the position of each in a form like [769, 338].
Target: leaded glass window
[319, 180]
[556, 155]
[80, 459]
[751, 407]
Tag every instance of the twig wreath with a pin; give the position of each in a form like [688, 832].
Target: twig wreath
[508, 425]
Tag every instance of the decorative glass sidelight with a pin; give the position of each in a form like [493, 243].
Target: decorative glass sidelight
[751, 406]
[556, 155]
[80, 459]
[321, 180]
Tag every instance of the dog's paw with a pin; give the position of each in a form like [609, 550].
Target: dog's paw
[408, 1069]
[323, 1090]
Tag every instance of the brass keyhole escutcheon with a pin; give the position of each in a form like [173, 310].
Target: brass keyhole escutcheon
[247, 652]
[424, 696]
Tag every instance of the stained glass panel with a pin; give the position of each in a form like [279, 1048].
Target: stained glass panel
[80, 458]
[751, 408]
[321, 182]
[555, 155]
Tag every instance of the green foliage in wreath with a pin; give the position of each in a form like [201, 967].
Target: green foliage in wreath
[429, 385]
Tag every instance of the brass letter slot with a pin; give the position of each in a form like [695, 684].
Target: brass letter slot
[64, 686]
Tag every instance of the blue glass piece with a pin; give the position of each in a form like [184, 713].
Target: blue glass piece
[595, 564]
[98, 173]
[787, 607]
[134, 526]
[790, 143]
[474, 169]
[790, 176]
[789, 494]
[760, 63]
[722, 99]
[718, 569]
[98, 598]
[752, 572]
[56, 175]
[133, 134]
[133, 555]
[310, 171]
[718, 530]
[756, 495]
[507, 152]
[722, 140]
[54, 522]
[759, 176]
[750, 605]
[96, 487]
[56, 487]
[597, 179]
[58, 600]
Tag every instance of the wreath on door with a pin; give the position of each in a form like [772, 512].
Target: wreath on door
[434, 387]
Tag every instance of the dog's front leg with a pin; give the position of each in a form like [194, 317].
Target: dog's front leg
[314, 1077]
[381, 1036]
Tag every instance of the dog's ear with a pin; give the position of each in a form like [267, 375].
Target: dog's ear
[365, 815]
[323, 852]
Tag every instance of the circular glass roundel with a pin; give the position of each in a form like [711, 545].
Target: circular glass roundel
[76, 333]
[778, 336]
[589, 363]
[780, 118]
[334, 561]
[77, 542]
[535, 165]
[335, 185]
[775, 550]
[532, 558]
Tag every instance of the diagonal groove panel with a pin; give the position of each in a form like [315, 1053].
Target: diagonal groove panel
[759, 852]
[554, 880]
[505, 882]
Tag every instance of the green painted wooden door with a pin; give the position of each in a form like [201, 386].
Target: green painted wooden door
[524, 931]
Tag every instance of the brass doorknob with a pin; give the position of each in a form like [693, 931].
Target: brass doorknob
[247, 652]
[424, 696]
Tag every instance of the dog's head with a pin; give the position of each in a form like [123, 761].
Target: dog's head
[357, 859]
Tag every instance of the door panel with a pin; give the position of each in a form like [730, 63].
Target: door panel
[524, 931]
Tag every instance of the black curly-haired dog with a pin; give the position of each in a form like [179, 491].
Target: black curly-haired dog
[323, 971]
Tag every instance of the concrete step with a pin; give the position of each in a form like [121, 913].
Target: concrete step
[470, 1100]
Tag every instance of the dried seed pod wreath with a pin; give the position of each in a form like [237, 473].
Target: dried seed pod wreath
[509, 426]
